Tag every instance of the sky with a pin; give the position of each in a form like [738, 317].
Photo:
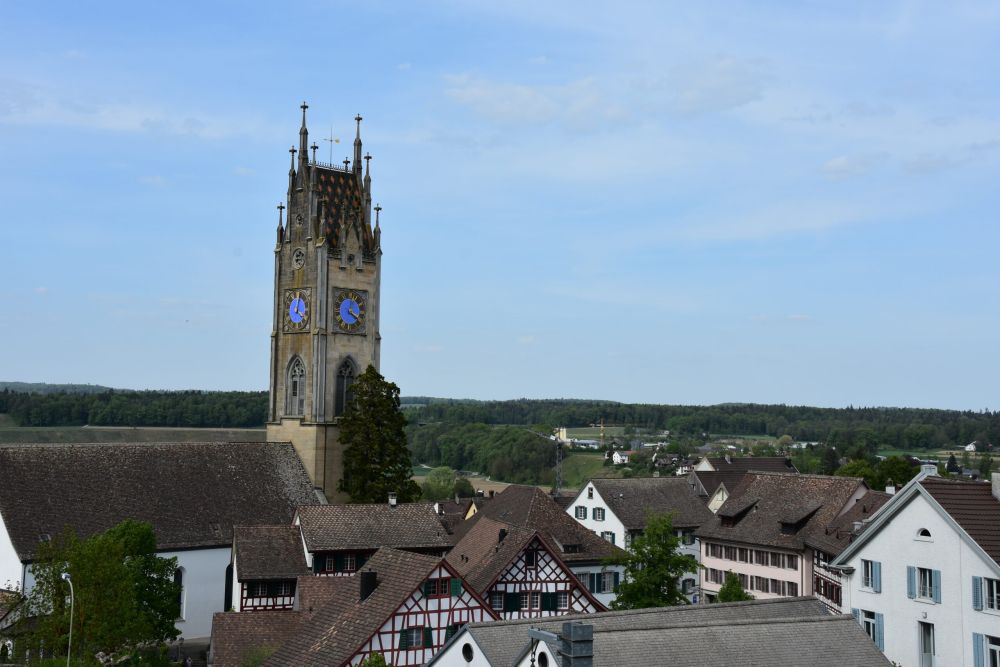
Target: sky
[662, 202]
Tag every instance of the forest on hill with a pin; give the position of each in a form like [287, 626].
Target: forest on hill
[869, 427]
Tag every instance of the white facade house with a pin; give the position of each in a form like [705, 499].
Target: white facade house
[621, 456]
[923, 580]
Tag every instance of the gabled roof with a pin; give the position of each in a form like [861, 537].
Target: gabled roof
[238, 636]
[343, 196]
[337, 631]
[787, 631]
[354, 527]
[970, 507]
[752, 463]
[268, 552]
[530, 508]
[633, 500]
[841, 531]
[481, 556]
[781, 509]
[192, 493]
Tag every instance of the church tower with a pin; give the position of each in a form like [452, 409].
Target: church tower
[327, 268]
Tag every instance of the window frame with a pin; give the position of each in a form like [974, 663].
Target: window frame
[560, 597]
[496, 596]
[581, 512]
[595, 514]
[925, 591]
[991, 601]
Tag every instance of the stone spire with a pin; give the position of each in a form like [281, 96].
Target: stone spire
[368, 190]
[357, 148]
[303, 146]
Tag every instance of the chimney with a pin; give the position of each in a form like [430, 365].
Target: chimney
[577, 645]
[392, 499]
[437, 508]
[856, 527]
[503, 534]
[929, 470]
[995, 478]
[890, 488]
[492, 492]
[729, 459]
[369, 581]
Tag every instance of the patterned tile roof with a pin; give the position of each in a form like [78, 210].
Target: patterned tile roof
[841, 532]
[480, 556]
[764, 500]
[344, 206]
[345, 527]
[973, 507]
[337, 631]
[530, 508]
[192, 493]
[501, 641]
[268, 552]
[633, 500]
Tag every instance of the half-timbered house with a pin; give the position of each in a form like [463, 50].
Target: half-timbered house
[586, 554]
[267, 561]
[519, 573]
[402, 605]
[339, 539]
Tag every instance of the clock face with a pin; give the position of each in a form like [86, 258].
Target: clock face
[298, 258]
[350, 311]
[296, 310]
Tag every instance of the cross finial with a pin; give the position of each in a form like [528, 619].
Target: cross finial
[314, 148]
[347, 162]
[281, 212]
[358, 118]
[368, 156]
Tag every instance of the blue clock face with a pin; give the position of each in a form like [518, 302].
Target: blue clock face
[350, 311]
[297, 310]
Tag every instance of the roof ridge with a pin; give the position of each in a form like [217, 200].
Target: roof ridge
[731, 622]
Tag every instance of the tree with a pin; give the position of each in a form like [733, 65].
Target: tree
[464, 488]
[953, 466]
[654, 568]
[859, 468]
[374, 660]
[894, 468]
[985, 466]
[784, 441]
[125, 595]
[966, 460]
[439, 484]
[376, 459]
[732, 590]
[831, 460]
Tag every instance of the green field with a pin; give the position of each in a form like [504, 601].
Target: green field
[55, 434]
[594, 432]
[578, 467]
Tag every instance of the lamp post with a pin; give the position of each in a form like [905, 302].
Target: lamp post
[72, 601]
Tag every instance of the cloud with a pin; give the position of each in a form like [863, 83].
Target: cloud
[716, 85]
[526, 340]
[155, 181]
[403, 66]
[844, 166]
[799, 318]
[243, 171]
[41, 290]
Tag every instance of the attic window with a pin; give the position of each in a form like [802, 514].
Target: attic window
[571, 548]
[924, 534]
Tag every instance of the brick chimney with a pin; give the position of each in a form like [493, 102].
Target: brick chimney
[995, 478]
[929, 470]
[369, 581]
[577, 645]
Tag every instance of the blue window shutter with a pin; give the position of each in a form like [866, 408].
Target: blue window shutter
[936, 582]
[404, 640]
[977, 593]
[911, 582]
[618, 579]
[978, 654]
[880, 632]
[428, 638]
[856, 613]
[592, 582]
[456, 587]
[876, 576]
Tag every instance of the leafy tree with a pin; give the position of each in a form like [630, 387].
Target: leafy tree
[374, 660]
[464, 488]
[966, 460]
[376, 459]
[894, 468]
[953, 466]
[439, 484]
[785, 440]
[831, 461]
[985, 466]
[859, 468]
[125, 595]
[654, 568]
[732, 590]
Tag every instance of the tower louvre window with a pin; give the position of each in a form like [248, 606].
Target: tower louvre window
[295, 388]
[346, 375]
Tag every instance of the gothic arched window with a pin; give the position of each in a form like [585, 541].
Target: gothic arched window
[295, 388]
[346, 375]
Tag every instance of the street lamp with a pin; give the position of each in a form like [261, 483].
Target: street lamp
[72, 600]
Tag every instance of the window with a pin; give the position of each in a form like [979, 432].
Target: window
[530, 558]
[609, 536]
[791, 589]
[350, 563]
[345, 378]
[992, 587]
[581, 512]
[868, 623]
[871, 575]
[777, 586]
[590, 493]
[687, 537]
[993, 648]
[924, 534]
[730, 553]
[562, 600]
[437, 588]
[743, 555]
[282, 589]
[761, 557]
[531, 600]
[295, 388]
[496, 601]
[179, 582]
[926, 634]
[791, 562]
[603, 582]
[715, 576]
[925, 583]
[715, 550]
[598, 514]
[760, 584]
[257, 589]
[415, 638]
[687, 586]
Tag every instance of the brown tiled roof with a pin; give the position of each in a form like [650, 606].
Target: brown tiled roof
[268, 552]
[633, 500]
[480, 557]
[834, 538]
[752, 463]
[192, 493]
[530, 508]
[337, 631]
[342, 527]
[238, 636]
[973, 507]
[764, 499]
